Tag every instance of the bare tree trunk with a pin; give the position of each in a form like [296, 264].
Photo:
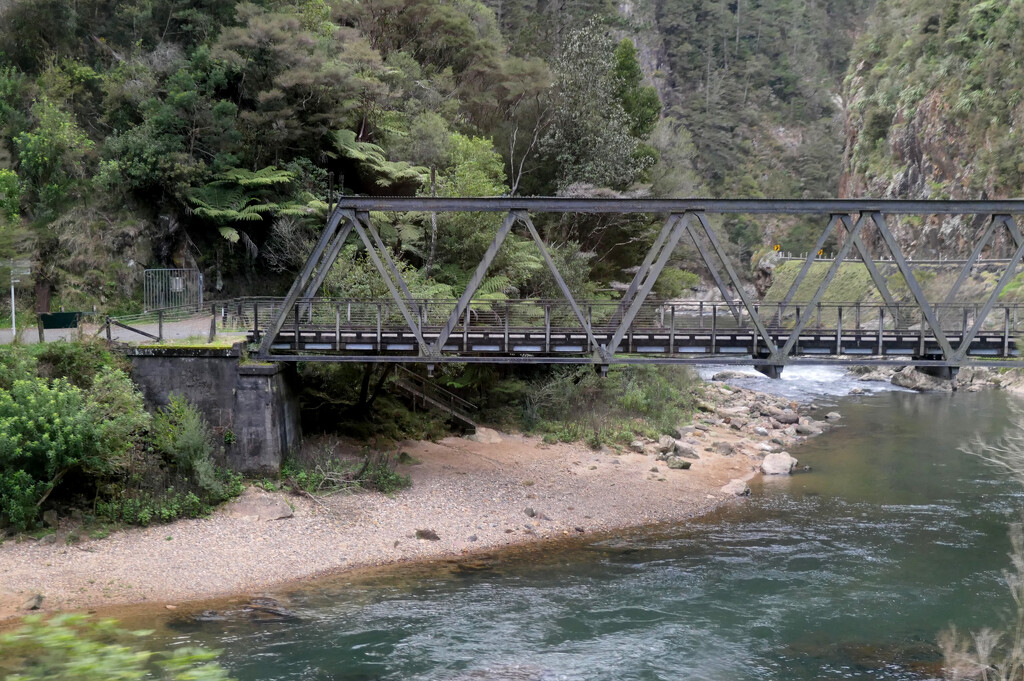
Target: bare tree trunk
[433, 225]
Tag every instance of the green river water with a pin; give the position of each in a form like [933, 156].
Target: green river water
[849, 571]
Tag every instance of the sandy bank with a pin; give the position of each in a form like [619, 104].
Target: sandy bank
[474, 496]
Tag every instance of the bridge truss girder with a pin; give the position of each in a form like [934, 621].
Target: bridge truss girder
[685, 218]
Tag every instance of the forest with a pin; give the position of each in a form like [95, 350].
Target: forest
[163, 133]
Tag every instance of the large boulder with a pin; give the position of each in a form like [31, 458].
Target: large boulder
[778, 463]
[256, 506]
[666, 443]
[685, 450]
[786, 417]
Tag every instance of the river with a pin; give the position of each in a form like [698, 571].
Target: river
[849, 571]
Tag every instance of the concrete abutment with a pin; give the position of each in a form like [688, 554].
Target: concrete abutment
[256, 403]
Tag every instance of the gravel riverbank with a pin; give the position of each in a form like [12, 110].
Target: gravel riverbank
[466, 497]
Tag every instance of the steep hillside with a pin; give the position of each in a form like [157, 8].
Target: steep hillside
[934, 110]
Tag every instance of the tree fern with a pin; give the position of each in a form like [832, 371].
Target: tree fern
[372, 158]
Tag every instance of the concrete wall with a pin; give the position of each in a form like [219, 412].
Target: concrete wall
[257, 403]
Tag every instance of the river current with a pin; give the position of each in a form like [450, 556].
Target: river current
[849, 571]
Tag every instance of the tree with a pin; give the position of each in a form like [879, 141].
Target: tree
[589, 140]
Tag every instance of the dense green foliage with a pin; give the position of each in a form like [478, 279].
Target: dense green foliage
[78, 648]
[941, 79]
[73, 430]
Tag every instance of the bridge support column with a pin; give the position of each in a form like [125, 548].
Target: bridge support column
[770, 370]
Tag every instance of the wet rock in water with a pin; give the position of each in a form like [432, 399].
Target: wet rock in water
[666, 443]
[761, 430]
[736, 487]
[677, 464]
[724, 448]
[857, 391]
[428, 535]
[50, 518]
[530, 512]
[807, 429]
[833, 416]
[732, 376]
[485, 436]
[33, 603]
[778, 463]
[637, 446]
[209, 616]
[268, 610]
[911, 378]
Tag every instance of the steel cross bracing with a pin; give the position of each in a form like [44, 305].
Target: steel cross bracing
[637, 329]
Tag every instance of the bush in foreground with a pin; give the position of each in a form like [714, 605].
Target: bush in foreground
[79, 648]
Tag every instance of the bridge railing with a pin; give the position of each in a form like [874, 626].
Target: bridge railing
[256, 314]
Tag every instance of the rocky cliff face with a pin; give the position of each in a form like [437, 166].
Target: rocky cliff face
[928, 114]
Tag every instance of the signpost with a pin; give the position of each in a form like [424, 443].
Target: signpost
[19, 268]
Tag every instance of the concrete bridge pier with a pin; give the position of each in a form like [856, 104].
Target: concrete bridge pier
[770, 370]
[944, 373]
[257, 403]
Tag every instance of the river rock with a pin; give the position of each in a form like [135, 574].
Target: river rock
[428, 535]
[732, 376]
[736, 487]
[724, 448]
[256, 506]
[807, 429]
[833, 416]
[637, 446]
[666, 443]
[685, 450]
[485, 436]
[778, 463]
[679, 432]
[761, 430]
[677, 464]
[786, 417]
[857, 391]
[48, 539]
[530, 512]
[50, 518]
[765, 447]
[33, 603]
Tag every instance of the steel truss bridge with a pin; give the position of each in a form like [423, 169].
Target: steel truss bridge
[942, 335]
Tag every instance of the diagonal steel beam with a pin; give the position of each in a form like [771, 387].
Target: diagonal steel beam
[808, 263]
[300, 281]
[755, 317]
[969, 265]
[474, 283]
[869, 264]
[680, 225]
[395, 293]
[706, 257]
[1008, 275]
[915, 288]
[802, 323]
[525, 219]
[365, 219]
[648, 260]
[325, 265]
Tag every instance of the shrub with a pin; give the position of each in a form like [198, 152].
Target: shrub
[84, 649]
[46, 431]
[16, 364]
[80, 363]
[180, 433]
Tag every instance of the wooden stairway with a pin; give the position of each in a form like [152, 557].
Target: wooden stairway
[429, 394]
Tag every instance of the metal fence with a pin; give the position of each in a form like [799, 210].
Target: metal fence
[172, 288]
